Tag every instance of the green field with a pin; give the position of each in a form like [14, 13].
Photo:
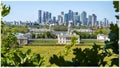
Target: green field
[43, 42]
[48, 51]
[54, 42]
[47, 48]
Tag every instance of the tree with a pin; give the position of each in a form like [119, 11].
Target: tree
[60, 28]
[15, 57]
[114, 33]
[114, 37]
[116, 6]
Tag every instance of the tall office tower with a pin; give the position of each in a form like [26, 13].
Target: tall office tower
[66, 19]
[105, 22]
[70, 15]
[94, 19]
[86, 21]
[59, 20]
[83, 18]
[76, 19]
[97, 23]
[62, 16]
[89, 23]
[47, 16]
[39, 16]
[101, 24]
[54, 20]
[44, 17]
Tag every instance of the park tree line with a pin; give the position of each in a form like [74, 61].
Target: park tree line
[44, 35]
[10, 54]
[93, 35]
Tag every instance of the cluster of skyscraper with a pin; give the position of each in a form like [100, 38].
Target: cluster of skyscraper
[45, 17]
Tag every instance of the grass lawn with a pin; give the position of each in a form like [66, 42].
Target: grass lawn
[52, 47]
[48, 51]
[54, 42]
[43, 42]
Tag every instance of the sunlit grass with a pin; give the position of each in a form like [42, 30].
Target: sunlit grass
[48, 51]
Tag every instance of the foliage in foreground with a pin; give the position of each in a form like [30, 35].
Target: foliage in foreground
[10, 54]
[86, 57]
[18, 58]
[92, 57]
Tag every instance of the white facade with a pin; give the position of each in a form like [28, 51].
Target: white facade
[35, 30]
[102, 37]
[85, 30]
[66, 38]
[22, 40]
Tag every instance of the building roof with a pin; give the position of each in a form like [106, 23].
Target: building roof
[20, 36]
[102, 35]
[67, 35]
[39, 30]
[84, 30]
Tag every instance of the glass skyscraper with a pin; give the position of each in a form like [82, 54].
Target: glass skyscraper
[83, 18]
[39, 16]
[89, 23]
[94, 19]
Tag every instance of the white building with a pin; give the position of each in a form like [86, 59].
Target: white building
[66, 38]
[102, 37]
[23, 38]
[41, 30]
[84, 30]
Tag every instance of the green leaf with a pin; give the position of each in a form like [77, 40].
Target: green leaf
[28, 52]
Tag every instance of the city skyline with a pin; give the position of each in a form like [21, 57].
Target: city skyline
[77, 19]
[30, 12]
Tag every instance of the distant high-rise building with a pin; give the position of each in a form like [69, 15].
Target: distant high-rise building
[97, 23]
[100, 24]
[76, 19]
[89, 23]
[70, 15]
[54, 19]
[83, 18]
[47, 16]
[62, 16]
[44, 17]
[66, 19]
[94, 19]
[59, 19]
[105, 23]
[39, 16]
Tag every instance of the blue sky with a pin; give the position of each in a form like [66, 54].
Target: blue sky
[28, 10]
